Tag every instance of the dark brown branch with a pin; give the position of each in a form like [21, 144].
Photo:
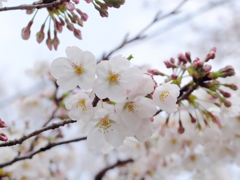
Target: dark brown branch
[32, 6]
[37, 132]
[47, 147]
[100, 175]
[140, 34]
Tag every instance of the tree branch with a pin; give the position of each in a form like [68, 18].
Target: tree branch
[47, 147]
[100, 175]
[32, 6]
[34, 133]
[140, 34]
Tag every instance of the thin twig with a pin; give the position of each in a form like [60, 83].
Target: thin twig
[37, 132]
[32, 6]
[100, 175]
[47, 147]
[141, 32]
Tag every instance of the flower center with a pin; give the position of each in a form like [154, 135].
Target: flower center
[114, 78]
[131, 107]
[82, 103]
[105, 124]
[164, 95]
[78, 68]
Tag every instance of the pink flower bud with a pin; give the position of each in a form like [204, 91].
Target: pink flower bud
[182, 59]
[76, 1]
[227, 104]
[49, 41]
[30, 11]
[88, 1]
[70, 6]
[174, 76]
[231, 86]
[77, 33]
[69, 25]
[180, 128]
[56, 41]
[188, 56]
[172, 60]
[207, 68]
[26, 31]
[2, 124]
[103, 12]
[3, 137]
[58, 26]
[83, 15]
[40, 35]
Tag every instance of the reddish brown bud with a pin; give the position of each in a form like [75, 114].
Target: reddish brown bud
[3, 137]
[49, 41]
[40, 35]
[26, 31]
[2, 124]
[180, 128]
[83, 15]
[174, 76]
[55, 41]
[77, 33]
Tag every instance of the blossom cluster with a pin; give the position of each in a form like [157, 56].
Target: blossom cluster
[116, 100]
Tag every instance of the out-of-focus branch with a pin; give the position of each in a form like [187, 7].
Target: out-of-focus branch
[47, 147]
[32, 6]
[140, 35]
[35, 133]
[100, 175]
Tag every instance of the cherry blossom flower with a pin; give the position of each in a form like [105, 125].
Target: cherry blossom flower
[134, 110]
[107, 127]
[165, 96]
[115, 78]
[40, 69]
[78, 69]
[80, 106]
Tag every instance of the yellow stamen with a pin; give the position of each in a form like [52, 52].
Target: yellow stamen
[131, 107]
[82, 103]
[164, 95]
[78, 68]
[114, 78]
[105, 124]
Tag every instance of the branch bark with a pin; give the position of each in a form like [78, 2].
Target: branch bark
[100, 175]
[34, 133]
[140, 34]
[32, 6]
[45, 148]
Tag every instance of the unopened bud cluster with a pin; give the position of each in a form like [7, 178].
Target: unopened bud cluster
[3, 137]
[202, 77]
[65, 14]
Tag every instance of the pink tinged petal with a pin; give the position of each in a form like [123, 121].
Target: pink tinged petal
[147, 85]
[100, 89]
[119, 63]
[60, 66]
[73, 52]
[145, 130]
[114, 137]
[131, 78]
[68, 82]
[95, 139]
[116, 93]
[146, 107]
[103, 69]
[85, 81]
[107, 148]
